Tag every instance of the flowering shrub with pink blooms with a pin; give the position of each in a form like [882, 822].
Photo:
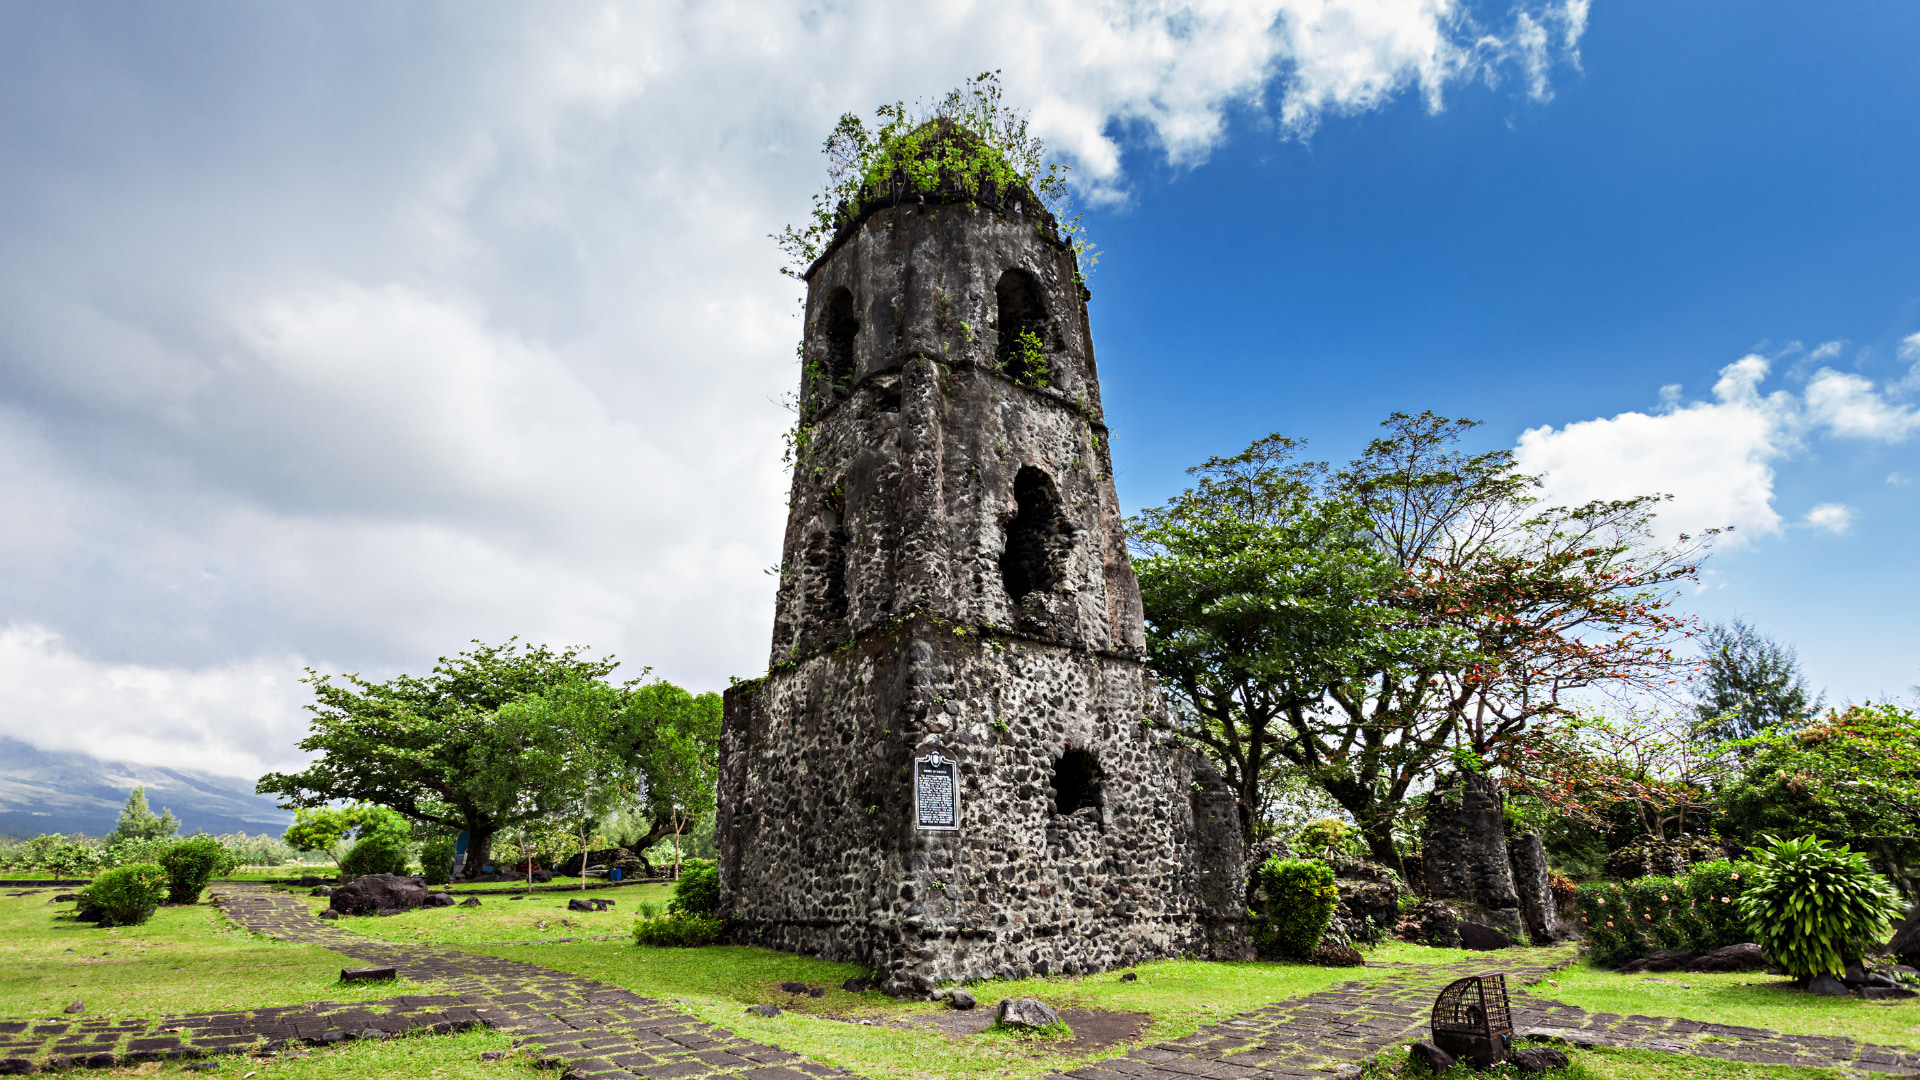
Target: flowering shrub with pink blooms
[1698, 911]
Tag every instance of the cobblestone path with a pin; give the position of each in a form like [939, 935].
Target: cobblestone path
[594, 1030]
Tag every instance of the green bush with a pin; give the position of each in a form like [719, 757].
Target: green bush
[191, 863]
[376, 854]
[1326, 836]
[1815, 907]
[1613, 936]
[436, 860]
[126, 895]
[698, 890]
[1297, 902]
[677, 931]
[1713, 895]
[1698, 912]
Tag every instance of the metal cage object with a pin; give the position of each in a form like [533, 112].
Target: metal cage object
[1475, 1005]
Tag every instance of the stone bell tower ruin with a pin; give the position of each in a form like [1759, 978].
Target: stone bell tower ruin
[958, 767]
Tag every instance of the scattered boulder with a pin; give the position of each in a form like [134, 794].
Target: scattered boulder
[1025, 1013]
[1129, 977]
[1885, 993]
[439, 899]
[78, 1006]
[1435, 1060]
[61, 898]
[1432, 922]
[1482, 938]
[321, 890]
[541, 877]
[581, 905]
[961, 1000]
[794, 988]
[493, 1055]
[372, 893]
[310, 881]
[1651, 856]
[768, 1011]
[1334, 954]
[854, 986]
[1905, 942]
[1537, 1059]
[1659, 960]
[471, 901]
[329, 914]
[1827, 986]
[1745, 956]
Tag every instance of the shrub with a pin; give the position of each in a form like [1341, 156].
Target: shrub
[698, 890]
[1815, 907]
[436, 860]
[375, 855]
[677, 931]
[191, 863]
[125, 895]
[1326, 836]
[1713, 896]
[1298, 898]
[1612, 933]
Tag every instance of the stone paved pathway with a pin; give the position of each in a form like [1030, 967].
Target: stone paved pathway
[596, 1031]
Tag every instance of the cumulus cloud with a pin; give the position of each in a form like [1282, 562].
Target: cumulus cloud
[1715, 458]
[1831, 517]
[359, 336]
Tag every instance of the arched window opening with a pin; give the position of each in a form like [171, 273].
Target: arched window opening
[1038, 537]
[840, 327]
[1076, 782]
[1023, 329]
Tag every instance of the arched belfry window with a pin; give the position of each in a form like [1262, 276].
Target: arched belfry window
[1076, 782]
[839, 328]
[1038, 538]
[1025, 334]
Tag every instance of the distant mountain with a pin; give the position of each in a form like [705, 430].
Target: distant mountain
[53, 791]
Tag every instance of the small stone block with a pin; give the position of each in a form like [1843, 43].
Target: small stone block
[368, 974]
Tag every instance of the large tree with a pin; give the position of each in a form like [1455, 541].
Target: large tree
[431, 747]
[1750, 682]
[1421, 602]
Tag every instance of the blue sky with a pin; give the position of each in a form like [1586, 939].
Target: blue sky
[338, 335]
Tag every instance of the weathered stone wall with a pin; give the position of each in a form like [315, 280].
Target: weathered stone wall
[819, 851]
[1528, 857]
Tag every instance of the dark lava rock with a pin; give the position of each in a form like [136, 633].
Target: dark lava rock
[1482, 938]
[78, 1006]
[61, 898]
[1905, 942]
[1435, 1059]
[1129, 977]
[329, 914]
[854, 986]
[1433, 922]
[816, 991]
[541, 877]
[492, 1055]
[1537, 1059]
[1827, 986]
[1885, 993]
[368, 974]
[1330, 954]
[309, 882]
[471, 901]
[793, 987]
[371, 893]
[1025, 1012]
[1659, 960]
[581, 905]
[764, 1010]
[321, 890]
[521, 896]
[961, 1000]
[439, 899]
[1745, 956]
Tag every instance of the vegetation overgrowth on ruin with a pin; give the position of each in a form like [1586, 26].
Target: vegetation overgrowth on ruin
[969, 142]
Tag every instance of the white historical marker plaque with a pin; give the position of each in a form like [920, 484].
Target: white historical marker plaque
[936, 793]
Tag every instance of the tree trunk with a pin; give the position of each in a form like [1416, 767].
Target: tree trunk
[479, 849]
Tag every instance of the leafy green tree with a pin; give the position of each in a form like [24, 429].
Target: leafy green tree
[324, 828]
[576, 753]
[137, 822]
[431, 747]
[1358, 626]
[1750, 683]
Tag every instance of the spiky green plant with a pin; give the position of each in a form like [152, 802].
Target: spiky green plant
[1815, 907]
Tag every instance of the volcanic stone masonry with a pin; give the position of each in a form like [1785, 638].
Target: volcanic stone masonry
[957, 610]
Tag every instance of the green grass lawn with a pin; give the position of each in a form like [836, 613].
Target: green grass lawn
[419, 1057]
[1746, 998]
[181, 960]
[502, 919]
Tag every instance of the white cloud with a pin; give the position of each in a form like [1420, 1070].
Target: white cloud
[1910, 347]
[362, 339]
[1716, 458]
[1831, 517]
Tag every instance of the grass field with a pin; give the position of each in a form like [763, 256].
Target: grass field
[541, 916]
[1746, 998]
[421, 1057]
[183, 959]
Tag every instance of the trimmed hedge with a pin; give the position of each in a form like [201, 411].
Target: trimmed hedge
[1298, 901]
[677, 931]
[125, 895]
[1698, 911]
[374, 855]
[191, 863]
